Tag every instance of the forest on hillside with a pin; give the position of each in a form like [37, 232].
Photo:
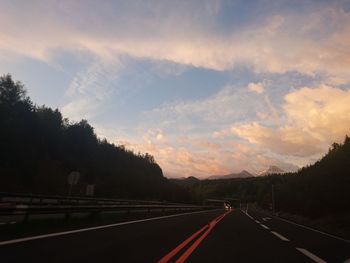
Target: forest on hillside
[40, 148]
[321, 189]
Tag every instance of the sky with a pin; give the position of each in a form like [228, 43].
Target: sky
[206, 87]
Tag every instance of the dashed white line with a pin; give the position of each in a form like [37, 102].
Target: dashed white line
[266, 227]
[312, 229]
[248, 215]
[257, 221]
[280, 236]
[310, 255]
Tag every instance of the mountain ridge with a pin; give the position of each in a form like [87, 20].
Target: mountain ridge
[272, 169]
[242, 174]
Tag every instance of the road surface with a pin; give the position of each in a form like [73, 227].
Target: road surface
[211, 236]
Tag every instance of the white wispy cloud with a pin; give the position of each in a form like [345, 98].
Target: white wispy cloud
[238, 126]
[90, 89]
[314, 118]
[311, 42]
[256, 87]
[229, 104]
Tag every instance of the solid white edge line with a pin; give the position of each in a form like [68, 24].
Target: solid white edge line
[315, 230]
[19, 240]
[279, 236]
[310, 255]
[266, 227]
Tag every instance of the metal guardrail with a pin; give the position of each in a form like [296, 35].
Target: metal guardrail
[18, 204]
[64, 209]
[25, 198]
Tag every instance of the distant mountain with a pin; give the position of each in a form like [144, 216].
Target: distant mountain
[272, 169]
[185, 181]
[242, 174]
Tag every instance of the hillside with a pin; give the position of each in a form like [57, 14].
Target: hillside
[185, 182]
[40, 148]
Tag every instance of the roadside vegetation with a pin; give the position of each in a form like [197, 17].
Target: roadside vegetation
[39, 148]
[321, 189]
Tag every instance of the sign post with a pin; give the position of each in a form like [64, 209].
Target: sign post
[90, 189]
[73, 179]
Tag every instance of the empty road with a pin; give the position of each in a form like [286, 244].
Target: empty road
[211, 236]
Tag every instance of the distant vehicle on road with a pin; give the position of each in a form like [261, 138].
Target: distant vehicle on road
[227, 205]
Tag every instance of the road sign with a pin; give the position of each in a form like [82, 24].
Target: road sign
[73, 178]
[90, 189]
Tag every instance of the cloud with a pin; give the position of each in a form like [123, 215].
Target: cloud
[203, 157]
[314, 118]
[314, 41]
[233, 128]
[90, 89]
[311, 118]
[256, 87]
[229, 104]
[286, 140]
[322, 112]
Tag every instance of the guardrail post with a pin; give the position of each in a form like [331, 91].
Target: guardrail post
[95, 214]
[26, 217]
[68, 215]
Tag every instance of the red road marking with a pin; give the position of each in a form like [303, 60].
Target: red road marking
[181, 246]
[189, 251]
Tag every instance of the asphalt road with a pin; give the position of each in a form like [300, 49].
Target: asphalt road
[212, 236]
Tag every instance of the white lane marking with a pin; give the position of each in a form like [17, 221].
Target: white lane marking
[315, 230]
[19, 240]
[2, 223]
[280, 236]
[249, 215]
[266, 218]
[257, 221]
[266, 227]
[13, 222]
[310, 255]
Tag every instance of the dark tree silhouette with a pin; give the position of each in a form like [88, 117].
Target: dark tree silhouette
[321, 189]
[39, 148]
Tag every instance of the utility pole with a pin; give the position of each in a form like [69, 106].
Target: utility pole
[273, 198]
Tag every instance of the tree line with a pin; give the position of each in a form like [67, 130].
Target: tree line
[317, 190]
[39, 148]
